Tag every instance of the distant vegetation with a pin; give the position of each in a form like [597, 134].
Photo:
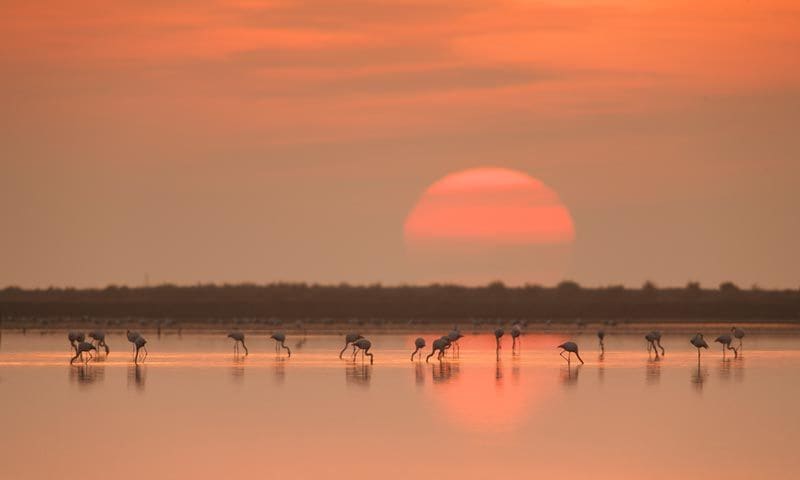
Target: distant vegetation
[566, 301]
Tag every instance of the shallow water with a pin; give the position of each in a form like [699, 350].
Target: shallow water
[194, 411]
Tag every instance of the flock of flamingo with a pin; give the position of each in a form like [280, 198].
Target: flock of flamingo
[439, 346]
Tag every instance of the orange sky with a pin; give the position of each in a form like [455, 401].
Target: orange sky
[259, 141]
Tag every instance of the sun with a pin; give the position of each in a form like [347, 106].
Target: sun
[489, 223]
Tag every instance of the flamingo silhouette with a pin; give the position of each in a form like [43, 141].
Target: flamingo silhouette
[280, 339]
[651, 343]
[80, 349]
[419, 343]
[132, 336]
[726, 340]
[601, 335]
[516, 331]
[657, 336]
[699, 343]
[739, 334]
[439, 344]
[139, 343]
[454, 336]
[99, 336]
[348, 339]
[569, 348]
[75, 337]
[364, 345]
[238, 337]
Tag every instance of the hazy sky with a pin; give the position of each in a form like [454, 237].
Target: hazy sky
[214, 141]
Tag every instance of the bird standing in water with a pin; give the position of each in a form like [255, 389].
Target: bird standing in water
[238, 337]
[439, 344]
[364, 345]
[657, 339]
[99, 336]
[419, 343]
[454, 336]
[280, 339]
[739, 334]
[132, 336]
[139, 343]
[75, 338]
[570, 348]
[348, 339]
[651, 343]
[726, 340]
[516, 331]
[699, 343]
[80, 349]
[601, 334]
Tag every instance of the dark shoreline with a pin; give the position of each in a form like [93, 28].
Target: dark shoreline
[377, 305]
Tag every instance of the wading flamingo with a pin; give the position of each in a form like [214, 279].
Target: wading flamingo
[570, 348]
[364, 345]
[99, 336]
[739, 334]
[419, 343]
[80, 349]
[280, 339]
[699, 343]
[238, 337]
[348, 339]
[726, 340]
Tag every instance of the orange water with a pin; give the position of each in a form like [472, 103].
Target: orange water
[192, 410]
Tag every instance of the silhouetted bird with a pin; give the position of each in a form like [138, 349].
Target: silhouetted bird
[280, 339]
[139, 343]
[516, 331]
[80, 349]
[739, 334]
[498, 333]
[601, 334]
[657, 336]
[726, 340]
[439, 344]
[699, 343]
[238, 337]
[419, 343]
[75, 337]
[569, 348]
[364, 345]
[651, 343]
[132, 336]
[99, 336]
[348, 339]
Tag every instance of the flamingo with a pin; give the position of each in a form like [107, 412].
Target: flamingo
[364, 345]
[516, 331]
[601, 334]
[280, 338]
[439, 344]
[238, 337]
[738, 333]
[132, 336]
[140, 343]
[419, 343]
[657, 340]
[498, 333]
[80, 349]
[570, 348]
[651, 343]
[454, 336]
[699, 343]
[726, 340]
[348, 339]
[75, 337]
[100, 337]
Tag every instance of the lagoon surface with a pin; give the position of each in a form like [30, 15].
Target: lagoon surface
[193, 410]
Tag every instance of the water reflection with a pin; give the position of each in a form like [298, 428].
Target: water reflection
[731, 368]
[498, 373]
[569, 375]
[85, 374]
[699, 376]
[237, 369]
[444, 372]
[137, 377]
[279, 368]
[653, 371]
[419, 373]
[515, 370]
[358, 374]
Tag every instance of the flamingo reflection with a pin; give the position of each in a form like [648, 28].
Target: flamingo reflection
[358, 374]
[137, 376]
